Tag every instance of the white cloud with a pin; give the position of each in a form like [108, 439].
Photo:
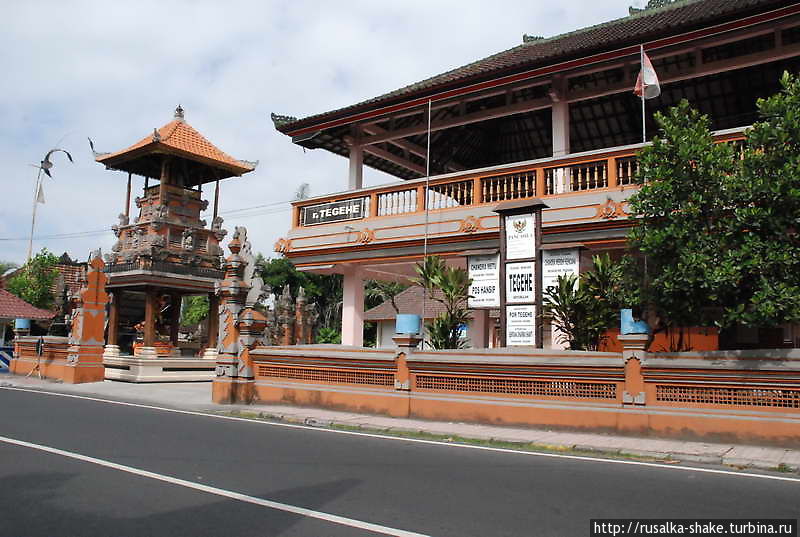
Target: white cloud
[114, 71]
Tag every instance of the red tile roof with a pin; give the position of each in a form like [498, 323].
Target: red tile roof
[180, 137]
[13, 307]
[642, 27]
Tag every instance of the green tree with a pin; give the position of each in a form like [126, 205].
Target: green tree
[377, 292]
[764, 289]
[5, 266]
[34, 283]
[718, 229]
[682, 222]
[584, 309]
[450, 287]
[195, 310]
[325, 290]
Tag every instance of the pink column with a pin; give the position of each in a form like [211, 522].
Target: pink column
[353, 307]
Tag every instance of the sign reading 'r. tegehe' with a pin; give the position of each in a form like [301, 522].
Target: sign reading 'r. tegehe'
[335, 211]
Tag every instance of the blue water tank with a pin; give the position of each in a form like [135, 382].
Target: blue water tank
[22, 324]
[627, 325]
[407, 323]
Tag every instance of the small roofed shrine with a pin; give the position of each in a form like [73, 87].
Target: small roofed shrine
[166, 251]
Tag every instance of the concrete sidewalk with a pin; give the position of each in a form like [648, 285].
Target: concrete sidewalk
[197, 397]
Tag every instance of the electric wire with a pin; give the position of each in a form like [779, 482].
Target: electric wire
[233, 213]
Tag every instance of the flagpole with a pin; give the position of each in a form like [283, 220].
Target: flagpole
[33, 216]
[427, 211]
[641, 74]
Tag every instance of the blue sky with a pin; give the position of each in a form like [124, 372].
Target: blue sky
[113, 71]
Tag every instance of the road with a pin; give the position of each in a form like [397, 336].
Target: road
[123, 470]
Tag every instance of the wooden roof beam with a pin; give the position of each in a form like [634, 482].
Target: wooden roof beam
[483, 115]
[410, 147]
[394, 159]
[740, 62]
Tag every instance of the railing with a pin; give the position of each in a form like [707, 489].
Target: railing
[446, 195]
[508, 187]
[397, 202]
[681, 393]
[161, 266]
[579, 172]
[575, 178]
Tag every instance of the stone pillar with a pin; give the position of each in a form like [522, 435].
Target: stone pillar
[479, 329]
[113, 318]
[150, 306]
[356, 170]
[560, 119]
[353, 307]
[234, 376]
[633, 353]
[85, 358]
[299, 318]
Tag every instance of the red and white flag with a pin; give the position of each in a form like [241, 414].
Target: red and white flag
[647, 85]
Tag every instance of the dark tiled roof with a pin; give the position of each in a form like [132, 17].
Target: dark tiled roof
[408, 301]
[641, 27]
[13, 307]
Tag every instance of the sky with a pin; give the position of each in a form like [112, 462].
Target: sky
[113, 71]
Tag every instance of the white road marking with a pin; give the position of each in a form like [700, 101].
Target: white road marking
[336, 519]
[420, 441]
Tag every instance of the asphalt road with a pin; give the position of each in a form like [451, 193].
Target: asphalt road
[431, 489]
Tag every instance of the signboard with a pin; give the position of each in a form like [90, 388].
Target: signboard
[484, 270]
[557, 263]
[520, 236]
[335, 211]
[520, 282]
[521, 325]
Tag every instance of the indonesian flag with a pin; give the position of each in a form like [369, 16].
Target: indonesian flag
[647, 82]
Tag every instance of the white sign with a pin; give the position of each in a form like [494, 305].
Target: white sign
[557, 263]
[520, 236]
[520, 282]
[484, 270]
[520, 325]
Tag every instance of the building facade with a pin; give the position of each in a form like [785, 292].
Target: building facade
[553, 119]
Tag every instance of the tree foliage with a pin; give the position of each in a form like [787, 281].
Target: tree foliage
[195, 310]
[34, 282]
[323, 289]
[682, 214]
[450, 287]
[377, 292]
[718, 229]
[5, 266]
[582, 310]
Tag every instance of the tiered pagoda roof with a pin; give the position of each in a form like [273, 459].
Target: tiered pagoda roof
[179, 139]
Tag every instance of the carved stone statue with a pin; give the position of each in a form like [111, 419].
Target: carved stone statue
[187, 240]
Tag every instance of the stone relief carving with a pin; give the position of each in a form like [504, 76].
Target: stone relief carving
[469, 225]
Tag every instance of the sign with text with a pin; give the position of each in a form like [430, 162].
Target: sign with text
[484, 270]
[520, 236]
[335, 211]
[520, 282]
[521, 325]
[557, 263]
